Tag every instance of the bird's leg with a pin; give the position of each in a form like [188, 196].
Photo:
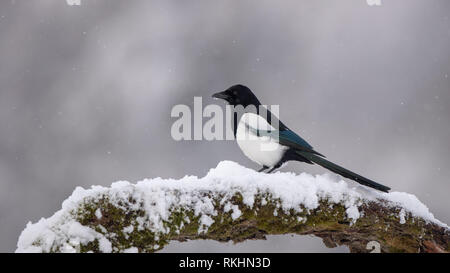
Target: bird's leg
[274, 168]
[263, 169]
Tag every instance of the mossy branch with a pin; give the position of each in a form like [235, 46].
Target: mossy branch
[328, 221]
[234, 203]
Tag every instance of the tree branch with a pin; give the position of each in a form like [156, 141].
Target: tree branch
[147, 216]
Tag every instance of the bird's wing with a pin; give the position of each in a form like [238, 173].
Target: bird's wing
[285, 138]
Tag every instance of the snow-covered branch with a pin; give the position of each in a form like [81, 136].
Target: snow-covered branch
[235, 203]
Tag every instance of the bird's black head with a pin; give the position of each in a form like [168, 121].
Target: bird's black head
[238, 95]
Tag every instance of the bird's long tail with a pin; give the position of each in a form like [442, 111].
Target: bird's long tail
[342, 171]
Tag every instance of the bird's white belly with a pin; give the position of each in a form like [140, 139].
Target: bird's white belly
[263, 150]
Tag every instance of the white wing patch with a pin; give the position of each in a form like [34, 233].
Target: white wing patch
[263, 150]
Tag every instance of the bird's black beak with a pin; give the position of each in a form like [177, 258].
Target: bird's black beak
[221, 95]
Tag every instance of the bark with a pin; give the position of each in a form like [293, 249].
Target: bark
[379, 227]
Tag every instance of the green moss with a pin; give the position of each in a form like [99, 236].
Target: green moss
[90, 247]
[265, 217]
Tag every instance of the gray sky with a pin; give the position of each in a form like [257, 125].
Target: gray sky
[86, 91]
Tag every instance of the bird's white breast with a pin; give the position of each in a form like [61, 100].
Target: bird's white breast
[263, 150]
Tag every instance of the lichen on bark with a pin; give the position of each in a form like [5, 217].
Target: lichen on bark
[234, 203]
[328, 221]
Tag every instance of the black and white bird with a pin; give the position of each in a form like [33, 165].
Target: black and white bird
[267, 141]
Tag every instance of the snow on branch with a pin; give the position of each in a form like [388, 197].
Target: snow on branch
[235, 203]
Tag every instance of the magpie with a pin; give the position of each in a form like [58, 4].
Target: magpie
[272, 147]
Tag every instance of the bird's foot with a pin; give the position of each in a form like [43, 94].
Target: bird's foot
[263, 169]
[273, 168]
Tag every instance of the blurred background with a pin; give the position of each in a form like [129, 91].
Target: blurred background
[86, 94]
